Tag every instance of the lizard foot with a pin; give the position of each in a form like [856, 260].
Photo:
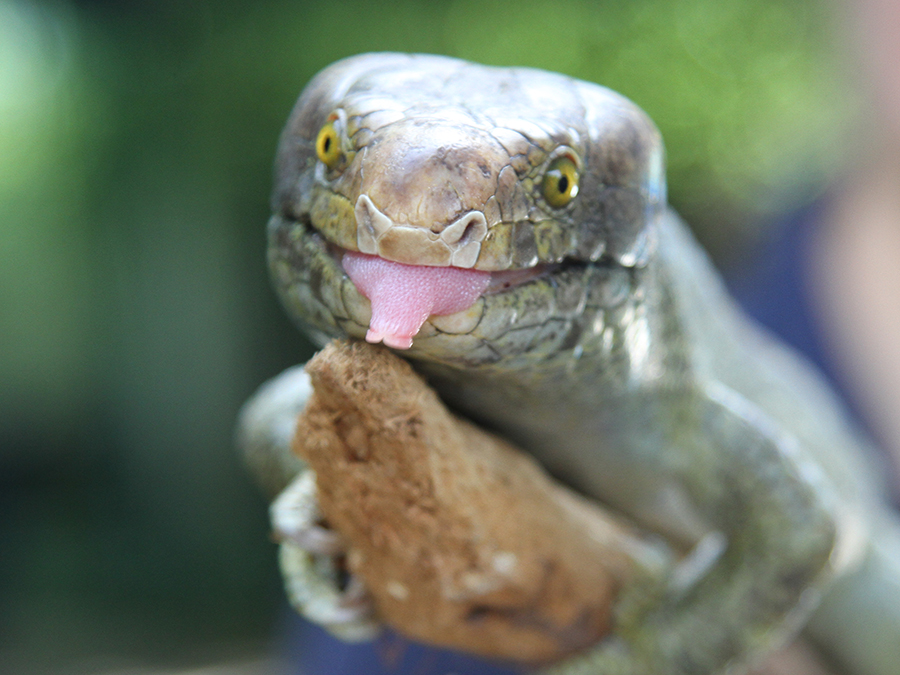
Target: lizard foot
[311, 560]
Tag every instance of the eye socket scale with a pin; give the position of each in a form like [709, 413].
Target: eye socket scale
[560, 184]
[328, 146]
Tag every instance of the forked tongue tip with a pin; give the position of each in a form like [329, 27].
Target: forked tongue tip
[390, 340]
[404, 296]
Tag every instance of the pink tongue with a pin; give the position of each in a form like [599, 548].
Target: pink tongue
[404, 296]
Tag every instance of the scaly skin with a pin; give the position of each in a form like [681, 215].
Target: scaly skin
[605, 346]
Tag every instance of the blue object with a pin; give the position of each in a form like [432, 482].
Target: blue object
[316, 652]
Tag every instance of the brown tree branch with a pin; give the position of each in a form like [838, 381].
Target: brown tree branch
[462, 540]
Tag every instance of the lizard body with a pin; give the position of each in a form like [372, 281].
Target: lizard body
[601, 340]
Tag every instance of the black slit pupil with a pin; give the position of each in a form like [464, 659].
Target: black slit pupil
[563, 184]
[326, 144]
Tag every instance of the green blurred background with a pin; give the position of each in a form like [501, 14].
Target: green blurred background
[136, 141]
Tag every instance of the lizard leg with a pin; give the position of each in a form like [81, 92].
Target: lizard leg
[774, 517]
[310, 554]
[266, 426]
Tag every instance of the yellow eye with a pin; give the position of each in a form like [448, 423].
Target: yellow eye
[328, 146]
[560, 183]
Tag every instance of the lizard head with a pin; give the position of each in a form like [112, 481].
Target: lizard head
[454, 176]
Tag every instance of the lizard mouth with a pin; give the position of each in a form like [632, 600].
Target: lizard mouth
[521, 313]
[403, 296]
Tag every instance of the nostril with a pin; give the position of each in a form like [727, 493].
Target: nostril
[472, 227]
[468, 233]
